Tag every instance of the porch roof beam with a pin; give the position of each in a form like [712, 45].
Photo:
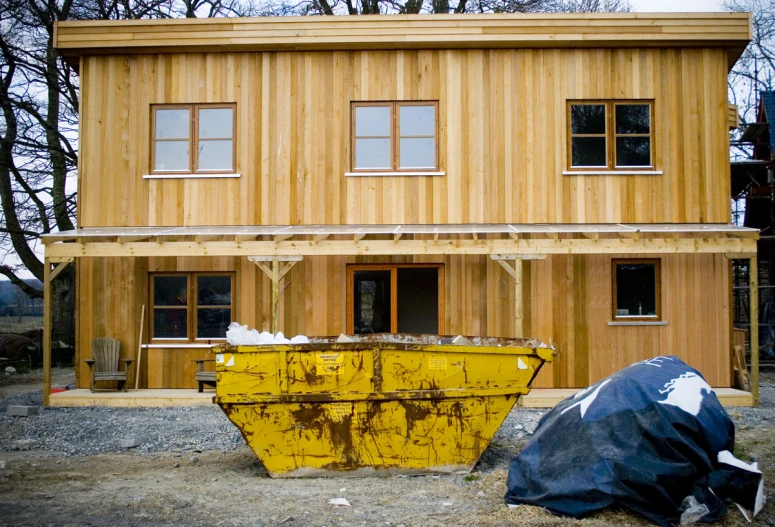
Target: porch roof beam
[357, 232]
[507, 246]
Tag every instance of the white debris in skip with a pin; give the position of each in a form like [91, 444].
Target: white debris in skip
[339, 502]
[240, 335]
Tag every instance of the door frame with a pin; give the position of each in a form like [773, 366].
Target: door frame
[393, 268]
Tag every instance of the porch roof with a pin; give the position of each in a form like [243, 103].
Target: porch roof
[308, 240]
[507, 244]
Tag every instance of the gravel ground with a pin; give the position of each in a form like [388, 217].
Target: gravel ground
[193, 469]
[750, 417]
[91, 431]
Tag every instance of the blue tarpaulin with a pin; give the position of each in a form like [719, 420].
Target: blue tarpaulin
[646, 438]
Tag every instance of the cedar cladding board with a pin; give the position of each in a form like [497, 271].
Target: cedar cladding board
[502, 83]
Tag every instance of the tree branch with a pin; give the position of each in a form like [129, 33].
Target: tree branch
[21, 284]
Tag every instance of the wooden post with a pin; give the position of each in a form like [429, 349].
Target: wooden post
[519, 319]
[753, 284]
[275, 296]
[139, 349]
[46, 331]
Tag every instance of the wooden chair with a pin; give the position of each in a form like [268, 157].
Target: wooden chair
[104, 365]
[204, 377]
[740, 368]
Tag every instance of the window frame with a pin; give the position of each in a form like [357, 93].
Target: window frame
[395, 136]
[393, 268]
[657, 290]
[193, 137]
[610, 135]
[192, 304]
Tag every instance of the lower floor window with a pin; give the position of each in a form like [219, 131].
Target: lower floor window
[636, 289]
[395, 298]
[190, 306]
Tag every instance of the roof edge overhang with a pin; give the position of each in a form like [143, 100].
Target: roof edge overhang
[731, 31]
[510, 240]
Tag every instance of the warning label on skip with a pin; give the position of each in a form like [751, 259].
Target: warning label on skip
[437, 363]
[220, 359]
[338, 411]
[329, 363]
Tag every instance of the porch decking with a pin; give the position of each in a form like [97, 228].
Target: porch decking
[547, 398]
[132, 398]
[538, 398]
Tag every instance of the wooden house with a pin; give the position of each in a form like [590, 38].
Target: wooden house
[564, 177]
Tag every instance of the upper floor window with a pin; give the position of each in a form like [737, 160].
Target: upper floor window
[190, 306]
[610, 135]
[193, 138]
[395, 136]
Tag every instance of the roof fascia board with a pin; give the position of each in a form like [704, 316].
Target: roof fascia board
[731, 31]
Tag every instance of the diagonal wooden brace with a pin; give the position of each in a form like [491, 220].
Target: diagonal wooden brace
[275, 274]
[512, 263]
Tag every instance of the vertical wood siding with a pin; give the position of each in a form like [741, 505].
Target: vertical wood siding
[567, 302]
[502, 137]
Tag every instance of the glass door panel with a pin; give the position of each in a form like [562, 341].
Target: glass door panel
[418, 300]
[372, 299]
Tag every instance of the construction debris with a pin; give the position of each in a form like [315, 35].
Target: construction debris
[237, 334]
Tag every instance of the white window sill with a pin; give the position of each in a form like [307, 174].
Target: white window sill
[189, 175]
[639, 323]
[611, 172]
[173, 346]
[401, 173]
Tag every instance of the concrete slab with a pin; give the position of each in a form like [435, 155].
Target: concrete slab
[22, 411]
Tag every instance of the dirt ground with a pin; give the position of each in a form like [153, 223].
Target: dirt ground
[233, 489]
[21, 383]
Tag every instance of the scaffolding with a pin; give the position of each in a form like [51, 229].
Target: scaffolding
[741, 305]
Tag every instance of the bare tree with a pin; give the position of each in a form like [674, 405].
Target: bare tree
[38, 100]
[374, 7]
[39, 128]
[755, 70]
[21, 303]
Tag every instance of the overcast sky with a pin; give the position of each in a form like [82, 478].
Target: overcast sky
[656, 6]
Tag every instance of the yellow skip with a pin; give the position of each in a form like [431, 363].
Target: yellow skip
[381, 405]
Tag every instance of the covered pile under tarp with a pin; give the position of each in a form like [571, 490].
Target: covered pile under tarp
[653, 438]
